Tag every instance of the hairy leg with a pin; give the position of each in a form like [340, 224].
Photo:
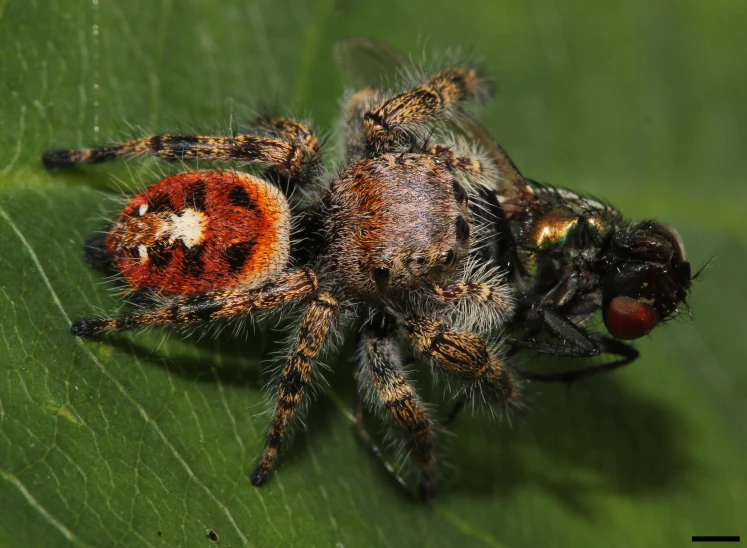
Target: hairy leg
[470, 165]
[484, 299]
[306, 156]
[385, 123]
[465, 356]
[286, 288]
[381, 375]
[310, 337]
[482, 293]
[289, 154]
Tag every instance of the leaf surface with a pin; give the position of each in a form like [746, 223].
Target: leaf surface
[141, 440]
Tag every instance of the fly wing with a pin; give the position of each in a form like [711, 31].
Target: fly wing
[368, 63]
[511, 182]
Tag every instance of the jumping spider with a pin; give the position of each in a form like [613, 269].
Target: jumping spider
[391, 244]
[429, 233]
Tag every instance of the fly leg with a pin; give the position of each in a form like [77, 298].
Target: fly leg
[582, 345]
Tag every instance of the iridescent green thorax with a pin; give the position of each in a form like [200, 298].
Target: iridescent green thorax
[555, 229]
[549, 223]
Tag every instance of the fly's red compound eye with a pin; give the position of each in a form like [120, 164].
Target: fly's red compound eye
[627, 318]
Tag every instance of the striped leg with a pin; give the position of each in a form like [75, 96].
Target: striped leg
[289, 153]
[386, 122]
[469, 165]
[286, 288]
[312, 333]
[484, 299]
[382, 377]
[306, 156]
[463, 355]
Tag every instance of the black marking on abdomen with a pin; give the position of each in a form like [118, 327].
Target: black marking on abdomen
[239, 197]
[193, 265]
[160, 254]
[130, 253]
[237, 254]
[159, 203]
[196, 196]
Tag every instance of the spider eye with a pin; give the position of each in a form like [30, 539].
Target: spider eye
[449, 257]
[462, 230]
[627, 318]
[459, 194]
[380, 273]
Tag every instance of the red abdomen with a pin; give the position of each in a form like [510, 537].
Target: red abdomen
[200, 231]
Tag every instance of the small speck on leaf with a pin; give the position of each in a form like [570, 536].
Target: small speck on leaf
[212, 535]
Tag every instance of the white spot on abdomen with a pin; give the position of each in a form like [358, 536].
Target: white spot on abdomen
[143, 252]
[143, 208]
[189, 227]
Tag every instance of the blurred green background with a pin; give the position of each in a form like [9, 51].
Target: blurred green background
[139, 442]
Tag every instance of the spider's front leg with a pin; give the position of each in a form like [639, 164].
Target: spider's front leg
[306, 158]
[291, 149]
[384, 124]
[465, 356]
[381, 377]
[356, 106]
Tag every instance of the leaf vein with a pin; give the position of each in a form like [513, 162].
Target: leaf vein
[143, 413]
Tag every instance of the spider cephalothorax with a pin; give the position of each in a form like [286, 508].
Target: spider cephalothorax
[396, 223]
[393, 239]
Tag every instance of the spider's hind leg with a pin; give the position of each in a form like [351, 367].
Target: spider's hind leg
[367, 441]
[289, 154]
[286, 288]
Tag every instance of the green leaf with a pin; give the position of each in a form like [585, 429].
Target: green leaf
[135, 441]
